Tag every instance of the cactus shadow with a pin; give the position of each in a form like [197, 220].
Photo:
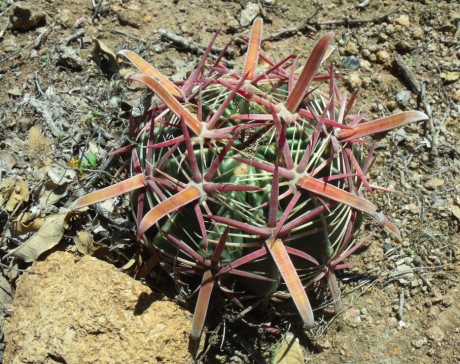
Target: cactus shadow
[144, 301]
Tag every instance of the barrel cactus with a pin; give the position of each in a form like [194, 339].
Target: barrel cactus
[252, 183]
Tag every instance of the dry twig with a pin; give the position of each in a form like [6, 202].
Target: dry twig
[406, 73]
[191, 45]
[135, 37]
[346, 21]
[410, 78]
[313, 26]
[97, 8]
[401, 304]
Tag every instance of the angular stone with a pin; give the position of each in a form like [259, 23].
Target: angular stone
[248, 14]
[127, 18]
[352, 317]
[26, 16]
[404, 46]
[418, 343]
[403, 20]
[456, 96]
[352, 48]
[82, 310]
[435, 333]
[403, 98]
[68, 57]
[352, 62]
[433, 183]
[383, 56]
[455, 211]
[353, 81]
[402, 271]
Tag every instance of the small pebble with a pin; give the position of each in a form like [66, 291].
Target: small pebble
[351, 317]
[64, 18]
[367, 82]
[415, 283]
[403, 20]
[352, 48]
[392, 105]
[403, 98]
[248, 14]
[456, 96]
[418, 343]
[403, 282]
[435, 333]
[365, 64]
[447, 301]
[389, 29]
[353, 81]
[455, 211]
[325, 344]
[403, 46]
[352, 62]
[25, 16]
[377, 107]
[432, 184]
[15, 91]
[402, 271]
[383, 56]
[87, 40]
[383, 37]
[114, 102]
[408, 260]
[157, 48]
[418, 261]
[127, 18]
[417, 33]
[387, 248]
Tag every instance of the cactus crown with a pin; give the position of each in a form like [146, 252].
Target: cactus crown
[253, 182]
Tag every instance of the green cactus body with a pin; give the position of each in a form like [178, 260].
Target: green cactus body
[320, 237]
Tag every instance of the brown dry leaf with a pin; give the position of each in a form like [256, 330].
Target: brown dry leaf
[46, 238]
[19, 194]
[132, 86]
[127, 72]
[130, 264]
[85, 243]
[7, 160]
[39, 147]
[5, 294]
[25, 224]
[289, 351]
[11, 271]
[6, 187]
[450, 76]
[104, 57]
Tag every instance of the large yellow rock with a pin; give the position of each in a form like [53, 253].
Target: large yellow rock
[82, 310]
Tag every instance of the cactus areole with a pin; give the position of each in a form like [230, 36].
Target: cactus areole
[252, 181]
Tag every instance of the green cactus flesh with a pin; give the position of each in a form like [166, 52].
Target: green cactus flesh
[320, 237]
